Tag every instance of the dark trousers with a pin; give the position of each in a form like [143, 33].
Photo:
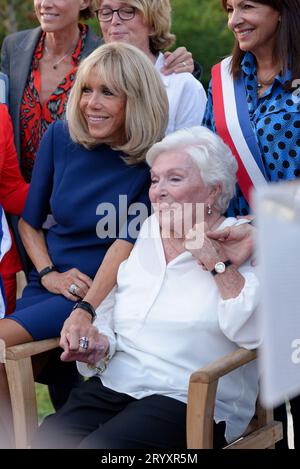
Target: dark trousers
[100, 418]
[61, 378]
[281, 415]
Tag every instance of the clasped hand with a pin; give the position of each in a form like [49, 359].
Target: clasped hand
[60, 282]
[78, 326]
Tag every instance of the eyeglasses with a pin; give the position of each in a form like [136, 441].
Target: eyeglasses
[124, 13]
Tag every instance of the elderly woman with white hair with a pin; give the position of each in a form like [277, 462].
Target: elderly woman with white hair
[178, 305]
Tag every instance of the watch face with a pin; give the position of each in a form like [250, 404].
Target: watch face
[220, 267]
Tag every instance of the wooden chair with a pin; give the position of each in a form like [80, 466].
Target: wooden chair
[262, 432]
[22, 389]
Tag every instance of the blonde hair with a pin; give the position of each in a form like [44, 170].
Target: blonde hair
[128, 72]
[157, 15]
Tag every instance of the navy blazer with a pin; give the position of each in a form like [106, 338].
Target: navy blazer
[16, 57]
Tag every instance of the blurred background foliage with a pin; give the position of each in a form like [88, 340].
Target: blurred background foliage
[200, 25]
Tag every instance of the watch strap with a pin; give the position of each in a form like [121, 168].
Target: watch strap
[46, 270]
[87, 307]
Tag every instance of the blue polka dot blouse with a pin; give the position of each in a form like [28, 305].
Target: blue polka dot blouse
[275, 118]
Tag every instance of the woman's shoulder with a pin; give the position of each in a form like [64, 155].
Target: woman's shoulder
[18, 37]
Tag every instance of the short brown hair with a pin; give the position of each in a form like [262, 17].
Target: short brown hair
[88, 12]
[287, 48]
[157, 14]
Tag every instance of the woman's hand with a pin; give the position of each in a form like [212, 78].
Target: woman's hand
[207, 251]
[237, 242]
[178, 61]
[97, 343]
[59, 283]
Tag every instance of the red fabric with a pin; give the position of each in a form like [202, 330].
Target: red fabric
[243, 178]
[13, 194]
[34, 117]
[13, 189]
[10, 288]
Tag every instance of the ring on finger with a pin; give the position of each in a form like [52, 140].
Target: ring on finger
[73, 289]
[84, 342]
[183, 63]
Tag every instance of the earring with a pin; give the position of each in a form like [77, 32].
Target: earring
[209, 210]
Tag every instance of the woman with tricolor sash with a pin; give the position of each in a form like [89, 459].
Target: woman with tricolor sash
[254, 102]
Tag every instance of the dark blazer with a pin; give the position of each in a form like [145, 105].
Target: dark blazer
[16, 58]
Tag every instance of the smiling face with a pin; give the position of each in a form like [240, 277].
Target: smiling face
[254, 25]
[134, 31]
[58, 15]
[103, 110]
[176, 182]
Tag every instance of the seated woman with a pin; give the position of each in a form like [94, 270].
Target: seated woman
[94, 158]
[146, 25]
[178, 305]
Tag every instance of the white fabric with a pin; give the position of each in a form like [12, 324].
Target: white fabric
[169, 321]
[187, 98]
[5, 244]
[233, 125]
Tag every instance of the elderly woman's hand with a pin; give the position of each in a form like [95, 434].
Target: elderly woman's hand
[97, 344]
[237, 242]
[207, 251]
[72, 284]
[178, 61]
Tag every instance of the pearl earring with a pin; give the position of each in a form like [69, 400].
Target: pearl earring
[209, 210]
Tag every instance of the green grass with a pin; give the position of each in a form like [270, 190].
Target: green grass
[43, 400]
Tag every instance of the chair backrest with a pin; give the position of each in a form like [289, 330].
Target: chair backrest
[4, 87]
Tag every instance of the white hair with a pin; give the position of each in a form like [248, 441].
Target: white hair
[213, 157]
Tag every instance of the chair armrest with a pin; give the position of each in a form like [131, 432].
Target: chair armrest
[17, 352]
[202, 394]
[222, 366]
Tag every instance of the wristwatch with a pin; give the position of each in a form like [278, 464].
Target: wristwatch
[87, 307]
[220, 267]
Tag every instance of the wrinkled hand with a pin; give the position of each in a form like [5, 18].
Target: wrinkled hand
[207, 252]
[76, 326]
[178, 61]
[59, 283]
[237, 242]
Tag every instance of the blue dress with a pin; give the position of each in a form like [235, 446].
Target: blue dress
[275, 119]
[80, 188]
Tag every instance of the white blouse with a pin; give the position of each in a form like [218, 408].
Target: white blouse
[186, 96]
[165, 321]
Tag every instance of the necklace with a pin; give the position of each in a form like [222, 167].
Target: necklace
[61, 59]
[261, 84]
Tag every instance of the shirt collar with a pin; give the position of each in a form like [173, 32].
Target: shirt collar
[248, 66]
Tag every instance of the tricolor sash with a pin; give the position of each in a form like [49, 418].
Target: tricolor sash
[5, 244]
[233, 125]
